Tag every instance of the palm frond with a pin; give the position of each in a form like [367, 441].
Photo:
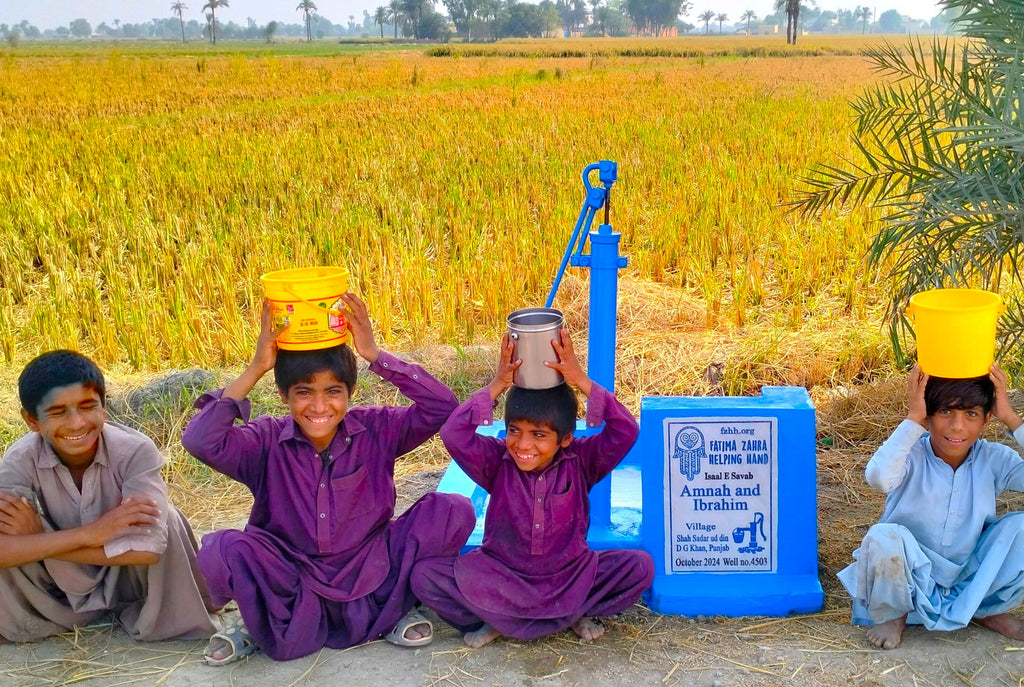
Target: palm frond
[940, 152]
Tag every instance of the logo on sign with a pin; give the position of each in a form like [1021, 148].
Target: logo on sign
[689, 449]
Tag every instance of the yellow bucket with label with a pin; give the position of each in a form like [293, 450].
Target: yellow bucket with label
[309, 300]
[955, 331]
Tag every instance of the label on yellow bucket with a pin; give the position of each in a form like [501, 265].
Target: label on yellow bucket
[309, 327]
[309, 301]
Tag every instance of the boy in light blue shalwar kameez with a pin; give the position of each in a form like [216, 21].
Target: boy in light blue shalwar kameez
[939, 557]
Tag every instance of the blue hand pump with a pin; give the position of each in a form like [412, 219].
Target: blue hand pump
[604, 263]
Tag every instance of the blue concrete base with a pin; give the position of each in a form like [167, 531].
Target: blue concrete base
[619, 529]
[745, 594]
[720, 475]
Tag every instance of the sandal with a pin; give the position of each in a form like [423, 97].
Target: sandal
[238, 638]
[411, 619]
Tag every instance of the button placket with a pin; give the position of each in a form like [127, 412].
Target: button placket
[537, 540]
[89, 500]
[323, 527]
[950, 521]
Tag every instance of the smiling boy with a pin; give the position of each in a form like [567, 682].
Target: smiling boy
[534, 573]
[939, 557]
[321, 562]
[85, 526]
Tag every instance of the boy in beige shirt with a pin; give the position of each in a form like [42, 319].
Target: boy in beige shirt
[85, 526]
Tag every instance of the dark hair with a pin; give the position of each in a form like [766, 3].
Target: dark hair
[293, 367]
[555, 407]
[959, 394]
[54, 369]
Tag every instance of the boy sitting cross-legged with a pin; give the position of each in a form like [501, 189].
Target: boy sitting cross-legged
[85, 525]
[939, 557]
[534, 574]
[321, 562]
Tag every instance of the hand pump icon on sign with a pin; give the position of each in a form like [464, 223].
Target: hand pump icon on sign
[739, 534]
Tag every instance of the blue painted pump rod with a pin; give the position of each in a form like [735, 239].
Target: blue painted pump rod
[604, 262]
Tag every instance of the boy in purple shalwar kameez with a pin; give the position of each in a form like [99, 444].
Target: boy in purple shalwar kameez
[534, 574]
[320, 562]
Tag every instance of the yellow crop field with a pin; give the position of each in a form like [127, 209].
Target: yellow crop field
[144, 190]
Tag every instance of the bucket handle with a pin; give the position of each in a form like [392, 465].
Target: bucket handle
[333, 311]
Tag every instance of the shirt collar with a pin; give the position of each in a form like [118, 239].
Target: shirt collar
[349, 426]
[971, 454]
[560, 455]
[48, 458]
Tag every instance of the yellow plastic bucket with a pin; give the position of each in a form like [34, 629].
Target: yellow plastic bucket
[956, 331]
[308, 298]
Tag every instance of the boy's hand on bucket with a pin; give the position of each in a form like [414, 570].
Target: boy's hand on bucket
[1003, 410]
[266, 345]
[917, 408]
[357, 318]
[506, 368]
[570, 365]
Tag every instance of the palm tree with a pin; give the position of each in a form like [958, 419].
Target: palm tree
[380, 17]
[706, 18]
[395, 14]
[307, 7]
[940, 155]
[179, 8]
[212, 5]
[792, 8]
[720, 18]
[863, 14]
[747, 17]
[594, 4]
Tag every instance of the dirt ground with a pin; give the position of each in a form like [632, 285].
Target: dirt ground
[639, 648]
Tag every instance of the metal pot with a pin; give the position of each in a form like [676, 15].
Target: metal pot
[532, 330]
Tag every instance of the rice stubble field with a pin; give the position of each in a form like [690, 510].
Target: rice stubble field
[144, 188]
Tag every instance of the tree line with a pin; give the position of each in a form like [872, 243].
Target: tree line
[487, 20]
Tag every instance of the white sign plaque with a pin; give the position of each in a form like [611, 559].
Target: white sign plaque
[721, 494]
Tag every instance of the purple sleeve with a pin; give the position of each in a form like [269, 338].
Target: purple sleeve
[477, 455]
[240, 452]
[432, 403]
[601, 452]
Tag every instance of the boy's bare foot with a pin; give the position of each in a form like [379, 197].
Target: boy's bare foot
[412, 630]
[887, 635]
[1003, 623]
[420, 631]
[229, 644]
[218, 649]
[478, 638]
[588, 630]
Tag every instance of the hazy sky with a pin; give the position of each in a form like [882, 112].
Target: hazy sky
[52, 13]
